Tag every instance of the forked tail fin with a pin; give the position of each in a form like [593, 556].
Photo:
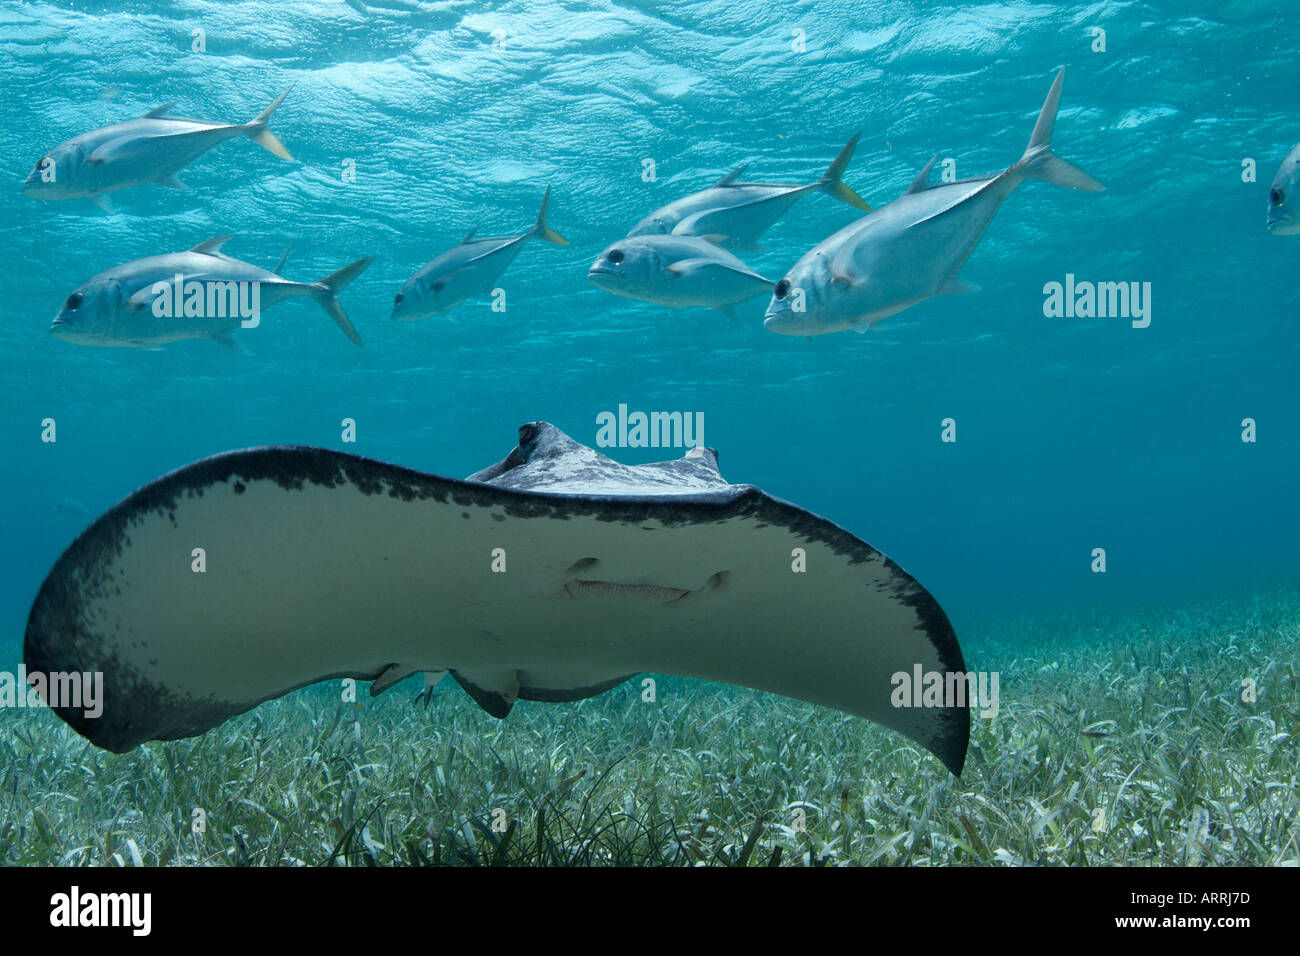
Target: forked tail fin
[832, 184]
[260, 133]
[326, 294]
[541, 229]
[1039, 161]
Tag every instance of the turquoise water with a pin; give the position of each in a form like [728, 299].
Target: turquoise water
[1073, 434]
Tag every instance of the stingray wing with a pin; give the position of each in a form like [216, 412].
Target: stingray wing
[318, 565]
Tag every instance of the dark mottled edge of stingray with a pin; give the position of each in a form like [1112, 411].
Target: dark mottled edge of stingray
[59, 638]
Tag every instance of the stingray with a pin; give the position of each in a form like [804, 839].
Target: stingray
[553, 575]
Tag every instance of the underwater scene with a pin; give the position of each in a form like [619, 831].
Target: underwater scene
[649, 433]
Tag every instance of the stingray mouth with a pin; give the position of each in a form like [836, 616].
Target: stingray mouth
[581, 589]
[647, 593]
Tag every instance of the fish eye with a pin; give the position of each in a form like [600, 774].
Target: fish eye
[615, 256]
[39, 163]
[398, 299]
[74, 302]
[1277, 196]
[782, 289]
[439, 286]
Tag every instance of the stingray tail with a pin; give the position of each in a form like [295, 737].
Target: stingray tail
[1039, 161]
[260, 133]
[326, 294]
[542, 230]
[833, 185]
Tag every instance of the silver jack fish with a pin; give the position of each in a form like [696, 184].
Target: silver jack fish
[912, 249]
[151, 149]
[468, 269]
[676, 271]
[735, 214]
[1284, 196]
[200, 293]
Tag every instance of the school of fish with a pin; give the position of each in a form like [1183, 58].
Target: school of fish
[682, 255]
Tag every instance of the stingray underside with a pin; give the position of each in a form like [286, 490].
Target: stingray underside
[238, 578]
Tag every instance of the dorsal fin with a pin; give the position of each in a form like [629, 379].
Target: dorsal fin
[469, 235]
[922, 180]
[212, 246]
[159, 110]
[731, 177]
[280, 265]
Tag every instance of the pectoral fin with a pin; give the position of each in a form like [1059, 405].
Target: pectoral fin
[688, 268]
[105, 150]
[698, 224]
[142, 299]
[844, 267]
[118, 149]
[137, 146]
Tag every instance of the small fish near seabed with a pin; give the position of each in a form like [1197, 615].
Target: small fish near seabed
[677, 271]
[199, 293]
[735, 214]
[911, 249]
[150, 149]
[469, 269]
[338, 566]
[1284, 197]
